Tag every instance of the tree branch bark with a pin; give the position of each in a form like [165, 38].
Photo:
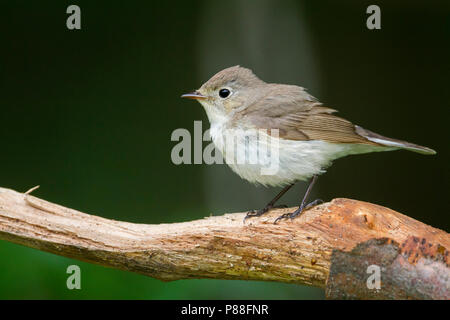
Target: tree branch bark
[303, 251]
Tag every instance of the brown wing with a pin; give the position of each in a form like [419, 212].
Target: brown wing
[299, 116]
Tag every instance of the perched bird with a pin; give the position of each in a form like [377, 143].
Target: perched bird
[308, 134]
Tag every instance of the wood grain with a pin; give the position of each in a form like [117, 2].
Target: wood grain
[219, 247]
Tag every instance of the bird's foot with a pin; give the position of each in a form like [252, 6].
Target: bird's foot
[260, 212]
[299, 211]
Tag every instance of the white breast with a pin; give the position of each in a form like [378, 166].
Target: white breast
[278, 161]
[271, 161]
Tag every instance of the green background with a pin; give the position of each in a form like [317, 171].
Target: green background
[88, 115]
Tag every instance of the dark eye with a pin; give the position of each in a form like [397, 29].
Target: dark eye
[223, 93]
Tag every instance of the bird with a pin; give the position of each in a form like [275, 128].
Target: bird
[305, 135]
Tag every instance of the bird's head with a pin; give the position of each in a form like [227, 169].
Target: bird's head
[230, 89]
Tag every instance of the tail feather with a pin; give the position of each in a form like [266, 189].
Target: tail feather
[389, 142]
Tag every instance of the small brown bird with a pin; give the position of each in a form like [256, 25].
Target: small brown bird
[306, 134]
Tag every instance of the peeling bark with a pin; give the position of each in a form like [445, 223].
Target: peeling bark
[415, 269]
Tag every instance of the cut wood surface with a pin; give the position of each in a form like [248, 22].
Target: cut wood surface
[222, 247]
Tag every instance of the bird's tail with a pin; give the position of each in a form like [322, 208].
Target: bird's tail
[389, 142]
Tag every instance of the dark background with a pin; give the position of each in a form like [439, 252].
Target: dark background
[88, 114]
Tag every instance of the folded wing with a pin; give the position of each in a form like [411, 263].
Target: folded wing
[299, 116]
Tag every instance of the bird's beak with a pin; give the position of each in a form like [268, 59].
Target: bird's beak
[194, 95]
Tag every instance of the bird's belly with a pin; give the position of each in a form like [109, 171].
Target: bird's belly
[276, 162]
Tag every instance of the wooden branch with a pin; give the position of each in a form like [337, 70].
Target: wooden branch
[300, 251]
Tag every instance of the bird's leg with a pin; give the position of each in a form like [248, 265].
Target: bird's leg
[270, 205]
[303, 205]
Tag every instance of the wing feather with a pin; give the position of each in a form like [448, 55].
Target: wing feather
[299, 116]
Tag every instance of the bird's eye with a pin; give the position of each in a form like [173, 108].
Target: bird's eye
[223, 93]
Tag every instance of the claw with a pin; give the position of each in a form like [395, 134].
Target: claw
[270, 205]
[256, 213]
[260, 212]
[299, 211]
[283, 216]
[313, 203]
